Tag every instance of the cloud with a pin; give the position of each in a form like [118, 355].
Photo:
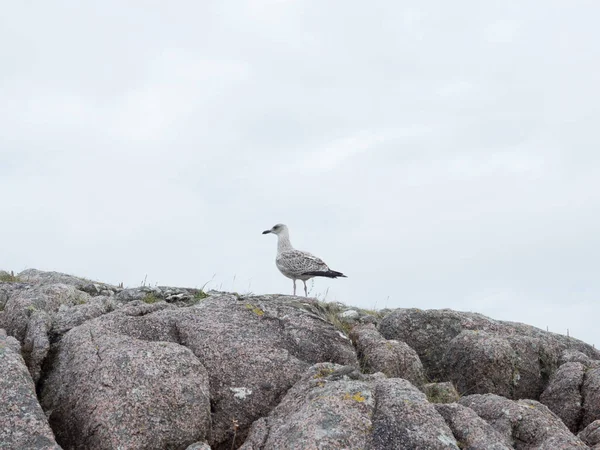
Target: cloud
[443, 155]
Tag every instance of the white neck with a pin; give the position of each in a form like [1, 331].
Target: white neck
[283, 242]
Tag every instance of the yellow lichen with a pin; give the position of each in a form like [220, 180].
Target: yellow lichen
[255, 309]
[357, 397]
[323, 372]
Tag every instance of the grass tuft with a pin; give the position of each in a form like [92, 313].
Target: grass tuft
[151, 298]
[6, 277]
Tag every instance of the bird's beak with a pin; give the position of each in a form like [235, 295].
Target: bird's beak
[266, 231]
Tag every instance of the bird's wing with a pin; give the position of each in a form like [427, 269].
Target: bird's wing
[298, 262]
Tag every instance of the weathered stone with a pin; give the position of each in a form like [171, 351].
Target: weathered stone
[470, 430]
[404, 419]
[563, 394]
[590, 391]
[326, 411]
[349, 314]
[199, 446]
[9, 289]
[451, 345]
[69, 317]
[478, 363]
[135, 368]
[574, 356]
[24, 303]
[152, 294]
[394, 359]
[591, 435]
[23, 424]
[39, 277]
[317, 413]
[254, 349]
[526, 424]
[110, 391]
[36, 343]
[441, 392]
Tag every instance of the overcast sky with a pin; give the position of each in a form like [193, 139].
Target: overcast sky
[441, 154]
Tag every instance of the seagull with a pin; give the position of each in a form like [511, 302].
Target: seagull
[296, 264]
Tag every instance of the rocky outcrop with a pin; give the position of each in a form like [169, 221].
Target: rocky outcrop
[392, 358]
[39, 278]
[253, 349]
[23, 424]
[591, 435]
[163, 367]
[525, 424]
[481, 355]
[332, 408]
[573, 392]
[563, 394]
[108, 390]
[590, 390]
[470, 430]
[404, 419]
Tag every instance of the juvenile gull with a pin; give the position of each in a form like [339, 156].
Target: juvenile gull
[295, 264]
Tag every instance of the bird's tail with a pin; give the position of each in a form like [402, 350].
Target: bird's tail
[328, 274]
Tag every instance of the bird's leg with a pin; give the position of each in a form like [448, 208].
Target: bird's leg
[305, 292]
[294, 286]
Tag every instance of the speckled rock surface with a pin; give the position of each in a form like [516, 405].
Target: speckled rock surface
[166, 367]
[23, 424]
[22, 304]
[526, 424]
[404, 419]
[199, 446]
[67, 318]
[563, 394]
[318, 412]
[526, 356]
[479, 362]
[591, 435]
[254, 349]
[28, 317]
[573, 392]
[110, 391]
[590, 390]
[470, 430]
[328, 410]
[39, 277]
[394, 359]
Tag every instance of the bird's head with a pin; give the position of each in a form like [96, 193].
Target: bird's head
[277, 229]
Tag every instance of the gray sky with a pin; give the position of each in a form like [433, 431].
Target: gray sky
[441, 154]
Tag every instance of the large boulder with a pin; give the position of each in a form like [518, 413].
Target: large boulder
[335, 407]
[563, 394]
[394, 359]
[254, 350]
[40, 277]
[479, 354]
[24, 303]
[591, 435]
[67, 318]
[404, 419]
[28, 316]
[111, 391]
[525, 424]
[23, 424]
[470, 430]
[573, 392]
[590, 390]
